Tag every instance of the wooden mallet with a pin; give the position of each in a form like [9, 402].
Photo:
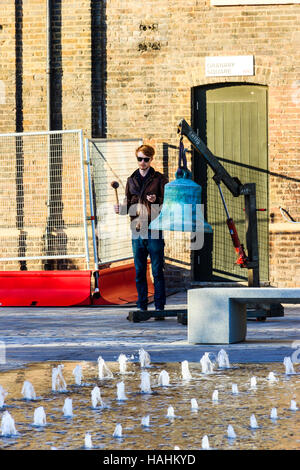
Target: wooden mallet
[115, 185]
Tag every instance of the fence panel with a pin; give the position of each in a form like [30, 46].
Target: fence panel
[42, 197]
[111, 160]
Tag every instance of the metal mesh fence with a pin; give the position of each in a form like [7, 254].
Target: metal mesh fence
[111, 160]
[224, 256]
[42, 201]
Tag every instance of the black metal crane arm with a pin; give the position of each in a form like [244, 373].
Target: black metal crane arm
[236, 188]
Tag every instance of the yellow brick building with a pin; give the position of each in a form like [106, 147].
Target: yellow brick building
[131, 69]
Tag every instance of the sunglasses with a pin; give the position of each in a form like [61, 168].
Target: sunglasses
[140, 159]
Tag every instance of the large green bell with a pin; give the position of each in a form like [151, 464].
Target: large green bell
[181, 209]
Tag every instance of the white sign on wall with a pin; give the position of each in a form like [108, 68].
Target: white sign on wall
[229, 66]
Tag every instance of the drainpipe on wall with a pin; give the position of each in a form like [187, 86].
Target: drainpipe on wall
[48, 77]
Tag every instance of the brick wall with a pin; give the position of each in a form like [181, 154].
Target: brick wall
[7, 70]
[23, 77]
[32, 55]
[284, 256]
[156, 54]
[23, 65]
[72, 65]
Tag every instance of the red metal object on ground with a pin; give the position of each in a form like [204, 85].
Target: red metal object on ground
[68, 288]
[117, 285]
[239, 248]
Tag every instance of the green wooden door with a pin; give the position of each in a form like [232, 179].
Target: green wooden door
[232, 121]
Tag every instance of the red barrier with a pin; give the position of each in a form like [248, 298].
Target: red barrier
[117, 285]
[69, 288]
[45, 288]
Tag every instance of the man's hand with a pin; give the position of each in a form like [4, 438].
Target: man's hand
[117, 208]
[151, 197]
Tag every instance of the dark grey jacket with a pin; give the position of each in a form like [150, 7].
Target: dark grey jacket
[136, 195]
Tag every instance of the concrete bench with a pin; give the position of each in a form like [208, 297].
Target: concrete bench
[218, 315]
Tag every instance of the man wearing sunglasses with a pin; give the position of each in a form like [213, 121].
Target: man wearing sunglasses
[144, 195]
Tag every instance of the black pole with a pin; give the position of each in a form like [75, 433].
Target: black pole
[249, 191]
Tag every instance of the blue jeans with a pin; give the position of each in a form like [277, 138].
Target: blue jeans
[141, 249]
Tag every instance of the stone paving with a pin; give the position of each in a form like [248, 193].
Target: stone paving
[84, 333]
